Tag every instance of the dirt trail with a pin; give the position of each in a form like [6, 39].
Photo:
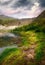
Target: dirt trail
[30, 52]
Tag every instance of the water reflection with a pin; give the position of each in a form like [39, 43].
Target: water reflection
[3, 48]
[8, 35]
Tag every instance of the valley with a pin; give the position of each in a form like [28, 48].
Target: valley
[23, 43]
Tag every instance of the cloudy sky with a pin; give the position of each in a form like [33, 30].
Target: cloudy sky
[21, 8]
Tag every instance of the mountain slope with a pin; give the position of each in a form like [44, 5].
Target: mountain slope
[34, 35]
[42, 15]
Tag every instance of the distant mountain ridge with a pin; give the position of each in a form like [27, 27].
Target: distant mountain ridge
[3, 16]
[5, 20]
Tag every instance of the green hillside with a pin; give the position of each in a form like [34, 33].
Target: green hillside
[8, 21]
[31, 50]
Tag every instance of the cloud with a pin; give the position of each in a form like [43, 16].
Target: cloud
[22, 3]
[5, 2]
[21, 8]
[42, 3]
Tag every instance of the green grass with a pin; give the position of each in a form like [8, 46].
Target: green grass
[41, 46]
[8, 53]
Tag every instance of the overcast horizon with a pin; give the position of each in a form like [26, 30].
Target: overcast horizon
[21, 8]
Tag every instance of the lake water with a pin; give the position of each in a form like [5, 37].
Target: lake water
[3, 48]
[8, 35]
[7, 27]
